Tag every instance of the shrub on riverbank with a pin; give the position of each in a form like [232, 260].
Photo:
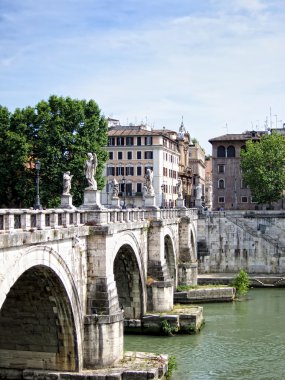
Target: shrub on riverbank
[241, 283]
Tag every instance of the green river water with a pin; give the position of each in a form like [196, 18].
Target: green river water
[240, 340]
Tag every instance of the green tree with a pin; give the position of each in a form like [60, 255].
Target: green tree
[263, 167]
[14, 157]
[59, 132]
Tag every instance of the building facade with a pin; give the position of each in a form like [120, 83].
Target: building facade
[208, 183]
[229, 189]
[132, 150]
[197, 164]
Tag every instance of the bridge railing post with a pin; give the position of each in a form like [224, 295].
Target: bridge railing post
[8, 222]
[126, 216]
[40, 220]
[26, 220]
[54, 220]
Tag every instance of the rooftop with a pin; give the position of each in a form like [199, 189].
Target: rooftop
[239, 136]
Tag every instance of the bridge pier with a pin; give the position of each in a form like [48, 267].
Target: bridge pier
[188, 264]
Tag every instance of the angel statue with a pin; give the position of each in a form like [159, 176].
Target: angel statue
[90, 171]
[148, 182]
[115, 188]
[179, 188]
[66, 183]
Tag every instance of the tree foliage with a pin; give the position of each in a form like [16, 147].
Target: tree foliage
[263, 167]
[59, 132]
[241, 283]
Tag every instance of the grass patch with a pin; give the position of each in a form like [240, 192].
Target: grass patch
[185, 288]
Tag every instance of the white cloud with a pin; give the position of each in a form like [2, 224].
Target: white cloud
[222, 66]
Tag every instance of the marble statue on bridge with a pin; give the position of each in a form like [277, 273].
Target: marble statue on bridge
[179, 188]
[66, 183]
[90, 171]
[149, 182]
[115, 188]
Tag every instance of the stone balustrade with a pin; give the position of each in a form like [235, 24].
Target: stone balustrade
[29, 219]
[26, 219]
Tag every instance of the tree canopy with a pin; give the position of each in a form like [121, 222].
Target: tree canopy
[58, 132]
[263, 167]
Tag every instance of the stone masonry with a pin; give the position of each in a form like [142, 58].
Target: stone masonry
[69, 278]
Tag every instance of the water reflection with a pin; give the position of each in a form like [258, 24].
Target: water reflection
[240, 340]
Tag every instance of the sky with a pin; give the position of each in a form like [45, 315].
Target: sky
[218, 64]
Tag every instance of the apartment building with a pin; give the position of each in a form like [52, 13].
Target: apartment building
[132, 150]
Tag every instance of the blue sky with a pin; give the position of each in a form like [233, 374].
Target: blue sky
[218, 63]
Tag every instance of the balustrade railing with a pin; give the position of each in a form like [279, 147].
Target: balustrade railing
[29, 220]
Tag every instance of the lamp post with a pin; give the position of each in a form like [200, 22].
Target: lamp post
[37, 205]
[107, 191]
[162, 195]
[124, 183]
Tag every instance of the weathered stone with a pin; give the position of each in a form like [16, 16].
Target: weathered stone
[68, 285]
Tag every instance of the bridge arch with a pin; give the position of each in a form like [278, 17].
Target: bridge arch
[40, 313]
[129, 274]
[170, 254]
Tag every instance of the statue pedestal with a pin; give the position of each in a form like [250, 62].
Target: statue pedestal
[180, 203]
[115, 202]
[198, 203]
[149, 201]
[66, 201]
[91, 200]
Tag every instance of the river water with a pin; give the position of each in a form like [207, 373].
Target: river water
[240, 340]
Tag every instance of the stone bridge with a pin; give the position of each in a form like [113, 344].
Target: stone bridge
[68, 278]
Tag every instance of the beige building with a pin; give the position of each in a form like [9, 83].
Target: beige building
[135, 148]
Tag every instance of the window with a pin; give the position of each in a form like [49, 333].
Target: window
[244, 200]
[148, 155]
[129, 170]
[221, 184]
[111, 141]
[139, 155]
[221, 168]
[221, 199]
[129, 141]
[148, 140]
[129, 189]
[120, 141]
[243, 185]
[139, 170]
[120, 155]
[129, 155]
[139, 187]
[221, 152]
[111, 155]
[139, 141]
[110, 170]
[231, 151]
[147, 167]
[253, 200]
[120, 170]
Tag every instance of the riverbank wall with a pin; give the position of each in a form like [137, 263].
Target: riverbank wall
[233, 240]
[215, 294]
